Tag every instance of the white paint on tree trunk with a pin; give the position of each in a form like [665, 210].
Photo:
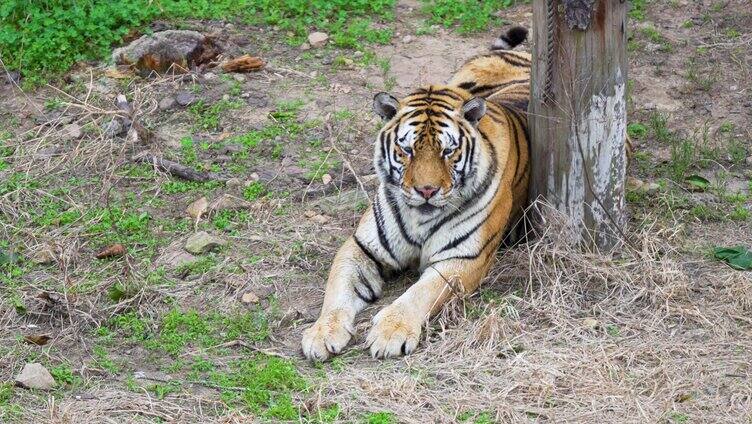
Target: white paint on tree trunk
[600, 134]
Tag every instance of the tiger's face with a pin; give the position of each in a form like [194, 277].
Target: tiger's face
[427, 145]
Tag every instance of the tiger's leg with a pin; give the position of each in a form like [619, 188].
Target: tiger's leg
[354, 281]
[396, 328]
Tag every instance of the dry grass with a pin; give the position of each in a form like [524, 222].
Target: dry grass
[576, 337]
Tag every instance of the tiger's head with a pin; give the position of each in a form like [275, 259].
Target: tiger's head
[428, 145]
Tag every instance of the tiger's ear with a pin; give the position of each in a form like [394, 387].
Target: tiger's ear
[474, 109]
[385, 105]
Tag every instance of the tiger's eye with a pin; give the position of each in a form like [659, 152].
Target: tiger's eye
[447, 152]
[408, 150]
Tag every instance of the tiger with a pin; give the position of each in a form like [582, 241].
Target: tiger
[453, 168]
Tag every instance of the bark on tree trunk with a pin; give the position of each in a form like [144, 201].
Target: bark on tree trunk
[578, 113]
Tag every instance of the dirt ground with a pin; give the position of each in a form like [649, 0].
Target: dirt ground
[660, 332]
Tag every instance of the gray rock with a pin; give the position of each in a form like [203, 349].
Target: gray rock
[239, 77]
[210, 76]
[35, 376]
[114, 128]
[749, 160]
[202, 242]
[257, 100]
[651, 188]
[175, 257]
[407, 39]
[305, 46]
[12, 77]
[72, 132]
[317, 39]
[167, 103]
[185, 98]
[230, 148]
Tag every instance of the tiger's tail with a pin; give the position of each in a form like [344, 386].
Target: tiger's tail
[510, 39]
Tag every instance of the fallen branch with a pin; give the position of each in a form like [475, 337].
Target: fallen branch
[176, 169]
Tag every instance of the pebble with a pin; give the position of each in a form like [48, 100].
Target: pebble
[185, 98]
[652, 188]
[239, 77]
[210, 76]
[318, 39]
[35, 376]
[202, 242]
[167, 103]
[72, 132]
[113, 128]
[305, 46]
[407, 39]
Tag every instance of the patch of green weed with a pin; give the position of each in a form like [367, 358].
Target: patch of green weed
[255, 190]
[380, 418]
[470, 16]
[263, 384]
[207, 117]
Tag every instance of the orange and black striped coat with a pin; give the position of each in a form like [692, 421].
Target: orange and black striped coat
[453, 165]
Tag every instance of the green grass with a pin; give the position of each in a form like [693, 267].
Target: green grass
[207, 117]
[263, 384]
[637, 9]
[637, 130]
[178, 329]
[470, 16]
[45, 38]
[380, 418]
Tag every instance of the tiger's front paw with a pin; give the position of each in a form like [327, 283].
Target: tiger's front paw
[395, 332]
[328, 335]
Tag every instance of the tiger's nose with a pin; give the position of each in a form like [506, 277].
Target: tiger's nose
[427, 191]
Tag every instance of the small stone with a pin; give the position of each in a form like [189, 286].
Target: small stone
[202, 242]
[749, 160]
[407, 39]
[210, 76]
[305, 46]
[634, 184]
[249, 298]
[229, 202]
[225, 97]
[35, 376]
[185, 98]
[652, 188]
[239, 77]
[114, 128]
[72, 132]
[197, 208]
[590, 323]
[174, 259]
[348, 62]
[245, 95]
[358, 54]
[222, 159]
[43, 256]
[326, 179]
[320, 219]
[13, 77]
[317, 39]
[167, 103]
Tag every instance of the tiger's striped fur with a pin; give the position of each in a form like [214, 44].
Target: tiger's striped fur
[453, 166]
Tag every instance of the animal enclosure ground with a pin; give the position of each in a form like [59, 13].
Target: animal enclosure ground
[661, 332]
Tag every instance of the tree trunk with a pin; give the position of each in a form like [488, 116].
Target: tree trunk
[578, 114]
